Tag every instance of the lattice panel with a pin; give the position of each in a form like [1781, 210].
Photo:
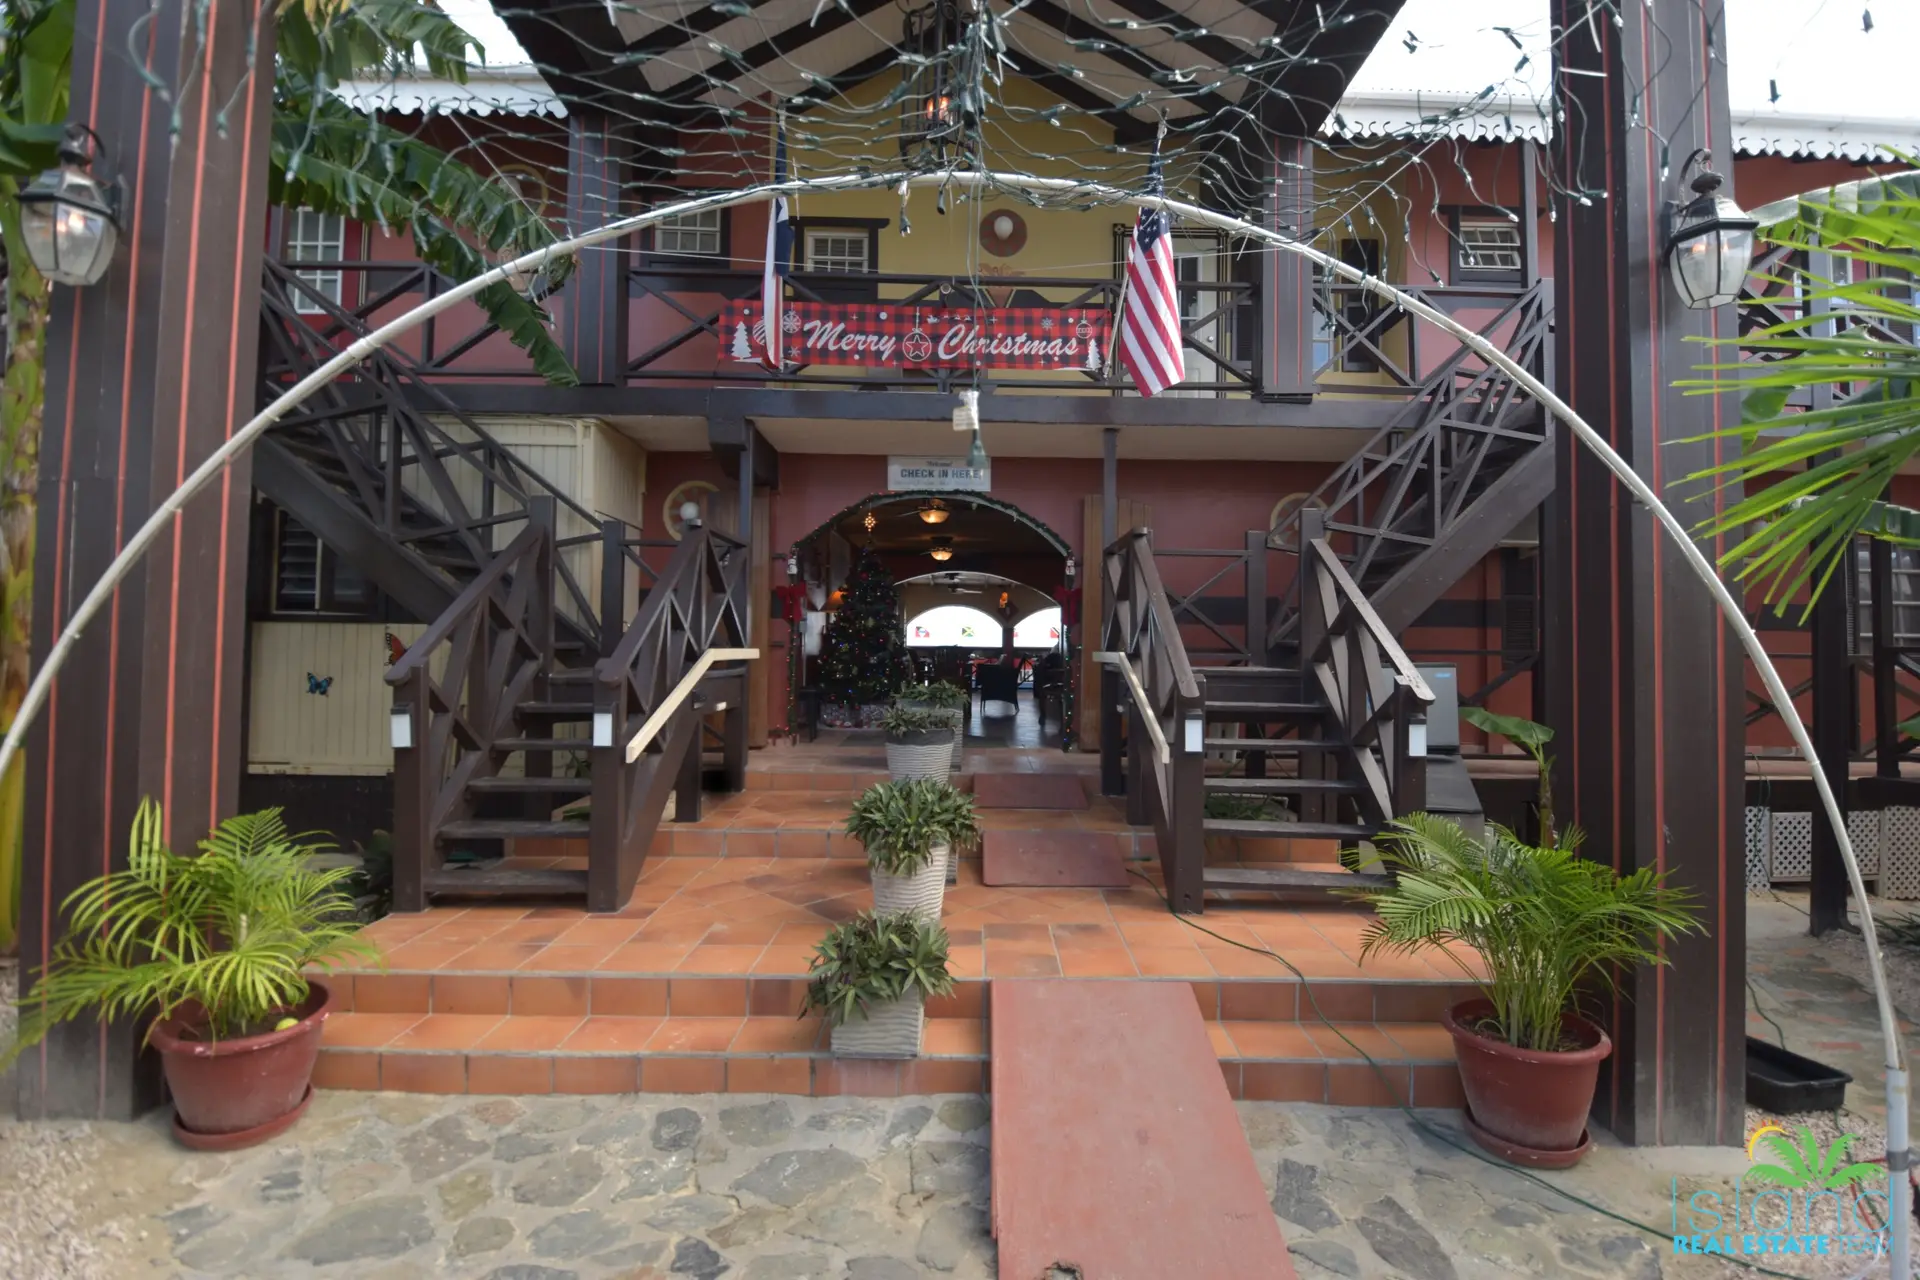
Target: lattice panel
[1867, 829]
[1900, 853]
[1792, 847]
[1759, 847]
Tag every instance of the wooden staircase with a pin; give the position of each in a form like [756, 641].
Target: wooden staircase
[522, 671]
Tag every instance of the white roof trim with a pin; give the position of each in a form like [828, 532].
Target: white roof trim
[1391, 113]
[513, 91]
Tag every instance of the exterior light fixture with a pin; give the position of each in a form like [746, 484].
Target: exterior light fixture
[930, 114]
[793, 566]
[934, 511]
[1071, 570]
[868, 521]
[977, 454]
[690, 514]
[1709, 240]
[966, 414]
[942, 549]
[70, 219]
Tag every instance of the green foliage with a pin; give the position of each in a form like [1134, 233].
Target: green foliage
[223, 935]
[874, 958]
[1545, 919]
[373, 880]
[1531, 737]
[899, 823]
[1804, 1166]
[939, 693]
[1803, 484]
[861, 651]
[902, 720]
[1240, 808]
[35, 71]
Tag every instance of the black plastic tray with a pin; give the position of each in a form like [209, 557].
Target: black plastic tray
[1783, 1082]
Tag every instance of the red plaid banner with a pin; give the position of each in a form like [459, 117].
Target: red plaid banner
[886, 335]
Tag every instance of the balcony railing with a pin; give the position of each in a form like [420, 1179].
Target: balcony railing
[675, 313]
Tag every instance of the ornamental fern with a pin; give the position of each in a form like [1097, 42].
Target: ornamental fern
[1545, 920]
[223, 935]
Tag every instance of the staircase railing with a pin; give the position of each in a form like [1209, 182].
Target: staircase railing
[1165, 714]
[418, 498]
[492, 649]
[1413, 485]
[1375, 694]
[650, 695]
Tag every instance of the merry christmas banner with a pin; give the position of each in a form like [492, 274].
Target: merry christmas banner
[904, 336]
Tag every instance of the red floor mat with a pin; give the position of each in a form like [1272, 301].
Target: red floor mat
[1052, 860]
[1029, 791]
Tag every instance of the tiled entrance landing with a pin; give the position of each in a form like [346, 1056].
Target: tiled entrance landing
[696, 985]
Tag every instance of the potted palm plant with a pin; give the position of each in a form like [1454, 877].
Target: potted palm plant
[1549, 925]
[872, 976]
[944, 697]
[919, 742]
[214, 948]
[912, 831]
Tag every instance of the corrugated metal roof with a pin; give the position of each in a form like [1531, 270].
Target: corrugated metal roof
[513, 91]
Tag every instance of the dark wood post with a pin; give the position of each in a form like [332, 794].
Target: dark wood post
[594, 304]
[1886, 697]
[613, 584]
[1314, 805]
[1285, 304]
[147, 372]
[1186, 792]
[1644, 687]
[414, 787]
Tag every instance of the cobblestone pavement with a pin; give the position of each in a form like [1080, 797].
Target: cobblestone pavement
[391, 1186]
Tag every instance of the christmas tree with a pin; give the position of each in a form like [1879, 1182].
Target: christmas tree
[741, 349]
[861, 650]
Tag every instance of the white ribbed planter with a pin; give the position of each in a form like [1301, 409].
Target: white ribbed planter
[925, 891]
[957, 719]
[920, 759]
[891, 1029]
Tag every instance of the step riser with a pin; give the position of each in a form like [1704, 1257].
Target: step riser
[805, 1075]
[786, 842]
[549, 995]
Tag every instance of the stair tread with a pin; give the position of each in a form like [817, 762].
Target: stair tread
[542, 744]
[1290, 878]
[1297, 830]
[555, 709]
[504, 882]
[566, 786]
[1264, 707]
[1272, 745]
[1280, 786]
[509, 828]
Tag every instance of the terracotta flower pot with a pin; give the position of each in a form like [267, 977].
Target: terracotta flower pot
[236, 1092]
[1527, 1105]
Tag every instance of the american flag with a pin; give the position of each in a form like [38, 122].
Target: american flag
[779, 258]
[1150, 322]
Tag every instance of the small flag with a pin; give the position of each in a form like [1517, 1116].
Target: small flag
[1150, 345]
[779, 256]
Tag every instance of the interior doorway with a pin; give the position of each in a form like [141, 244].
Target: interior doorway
[979, 586]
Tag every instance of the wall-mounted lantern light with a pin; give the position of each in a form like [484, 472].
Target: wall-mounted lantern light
[70, 219]
[1709, 240]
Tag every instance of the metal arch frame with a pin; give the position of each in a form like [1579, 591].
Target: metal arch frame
[1900, 1190]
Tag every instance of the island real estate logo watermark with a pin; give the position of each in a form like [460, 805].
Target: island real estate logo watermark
[1797, 1197]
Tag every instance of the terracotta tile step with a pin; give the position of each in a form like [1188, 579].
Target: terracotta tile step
[468, 1053]
[1411, 1063]
[541, 992]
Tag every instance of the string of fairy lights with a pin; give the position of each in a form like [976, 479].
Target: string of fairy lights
[1061, 87]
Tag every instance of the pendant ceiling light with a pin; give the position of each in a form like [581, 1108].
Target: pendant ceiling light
[942, 549]
[934, 511]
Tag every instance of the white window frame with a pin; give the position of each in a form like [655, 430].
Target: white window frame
[1468, 252]
[313, 236]
[686, 235]
[839, 262]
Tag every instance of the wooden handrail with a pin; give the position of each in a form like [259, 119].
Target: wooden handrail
[1164, 621]
[469, 599]
[680, 693]
[1356, 603]
[1161, 749]
[612, 669]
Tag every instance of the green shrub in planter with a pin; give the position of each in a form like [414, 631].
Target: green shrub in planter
[901, 823]
[876, 958]
[911, 724]
[941, 694]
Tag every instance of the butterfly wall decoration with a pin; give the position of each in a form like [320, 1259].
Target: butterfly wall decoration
[395, 650]
[319, 684]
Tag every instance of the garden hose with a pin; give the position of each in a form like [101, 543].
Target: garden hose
[1441, 1135]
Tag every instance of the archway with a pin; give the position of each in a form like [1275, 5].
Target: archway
[968, 570]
